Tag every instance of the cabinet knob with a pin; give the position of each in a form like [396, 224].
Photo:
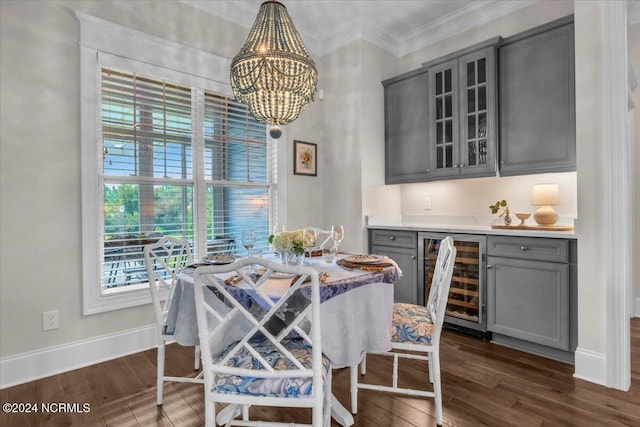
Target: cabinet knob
[413, 257]
[392, 238]
[461, 165]
[524, 248]
[503, 162]
[489, 266]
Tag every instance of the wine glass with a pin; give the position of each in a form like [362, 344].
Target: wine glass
[309, 240]
[337, 234]
[248, 239]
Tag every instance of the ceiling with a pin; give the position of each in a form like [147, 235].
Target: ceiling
[399, 27]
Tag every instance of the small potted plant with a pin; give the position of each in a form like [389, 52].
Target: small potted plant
[502, 207]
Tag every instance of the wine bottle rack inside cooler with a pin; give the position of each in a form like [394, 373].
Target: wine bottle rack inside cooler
[467, 295]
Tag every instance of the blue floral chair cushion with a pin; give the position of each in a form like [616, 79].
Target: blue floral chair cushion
[411, 324]
[271, 387]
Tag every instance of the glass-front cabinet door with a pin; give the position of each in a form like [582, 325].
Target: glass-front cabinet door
[477, 113]
[444, 140]
[462, 114]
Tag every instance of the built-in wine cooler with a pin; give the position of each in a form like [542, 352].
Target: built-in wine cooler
[466, 307]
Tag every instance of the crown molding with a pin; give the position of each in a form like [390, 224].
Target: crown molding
[477, 13]
[474, 15]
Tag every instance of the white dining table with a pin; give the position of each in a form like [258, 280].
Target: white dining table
[355, 311]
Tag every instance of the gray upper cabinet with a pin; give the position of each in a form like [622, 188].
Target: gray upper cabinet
[462, 113]
[406, 110]
[499, 105]
[537, 101]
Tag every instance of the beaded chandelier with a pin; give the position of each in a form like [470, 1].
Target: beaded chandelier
[273, 73]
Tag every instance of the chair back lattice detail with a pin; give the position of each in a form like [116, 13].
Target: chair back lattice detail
[164, 260]
[246, 317]
[220, 311]
[438, 295]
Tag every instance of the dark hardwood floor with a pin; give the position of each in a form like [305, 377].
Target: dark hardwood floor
[483, 384]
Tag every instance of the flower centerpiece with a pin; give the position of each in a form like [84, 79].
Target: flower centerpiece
[290, 245]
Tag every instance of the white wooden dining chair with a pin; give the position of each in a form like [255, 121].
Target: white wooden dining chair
[416, 332]
[276, 360]
[163, 260]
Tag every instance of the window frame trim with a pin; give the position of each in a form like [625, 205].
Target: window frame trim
[104, 43]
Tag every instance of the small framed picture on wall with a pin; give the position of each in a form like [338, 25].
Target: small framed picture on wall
[305, 158]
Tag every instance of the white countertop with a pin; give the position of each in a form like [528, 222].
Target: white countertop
[464, 224]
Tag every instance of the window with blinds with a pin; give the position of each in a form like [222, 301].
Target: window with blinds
[150, 130]
[237, 160]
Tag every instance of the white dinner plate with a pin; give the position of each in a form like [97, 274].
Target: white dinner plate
[365, 258]
[276, 274]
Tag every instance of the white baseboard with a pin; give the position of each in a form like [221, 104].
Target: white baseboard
[590, 366]
[637, 307]
[38, 364]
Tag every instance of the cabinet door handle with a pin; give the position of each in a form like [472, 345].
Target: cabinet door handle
[489, 266]
[524, 248]
[392, 238]
[413, 257]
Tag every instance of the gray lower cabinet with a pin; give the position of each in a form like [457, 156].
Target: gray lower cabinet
[537, 101]
[402, 247]
[529, 294]
[529, 300]
[531, 284]
[406, 109]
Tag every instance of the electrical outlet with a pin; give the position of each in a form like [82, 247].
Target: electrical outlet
[427, 203]
[49, 320]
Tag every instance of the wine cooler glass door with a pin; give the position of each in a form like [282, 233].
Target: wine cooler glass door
[467, 298]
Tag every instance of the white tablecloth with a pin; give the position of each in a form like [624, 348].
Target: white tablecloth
[355, 311]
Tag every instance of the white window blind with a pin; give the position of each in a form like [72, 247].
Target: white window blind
[149, 183]
[146, 126]
[237, 172]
